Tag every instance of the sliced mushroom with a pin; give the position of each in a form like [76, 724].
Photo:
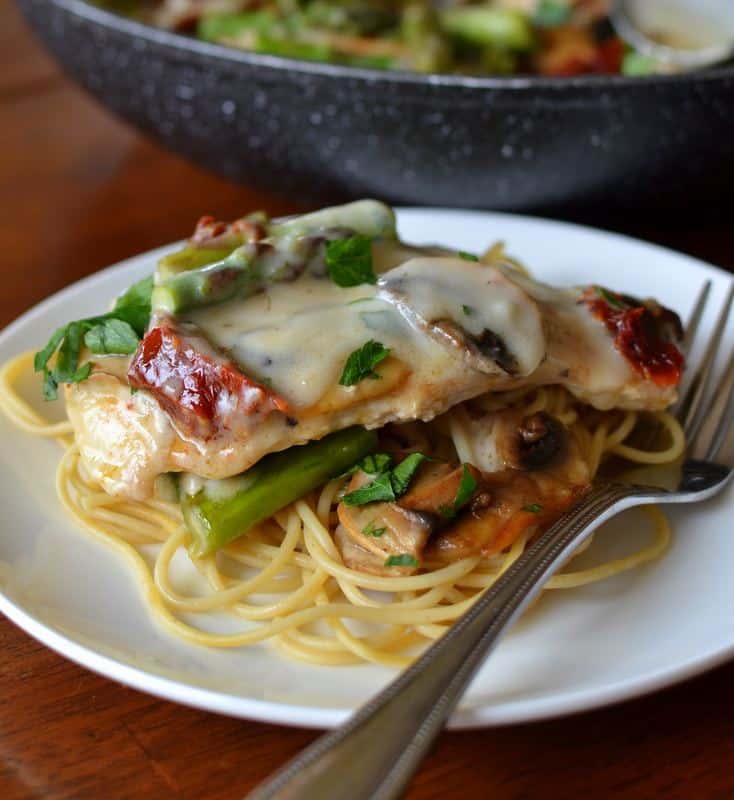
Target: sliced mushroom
[484, 352]
[399, 531]
[386, 531]
[357, 557]
[540, 440]
[472, 308]
[507, 439]
[479, 530]
[436, 488]
[513, 502]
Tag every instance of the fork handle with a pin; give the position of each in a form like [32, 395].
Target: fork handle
[375, 753]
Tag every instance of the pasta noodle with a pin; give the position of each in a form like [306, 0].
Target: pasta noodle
[285, 580]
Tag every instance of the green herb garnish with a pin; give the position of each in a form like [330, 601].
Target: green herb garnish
[533, 508]
[634, 63]
[468, 256]
[133, 306]
[403, 560]
[551, 13]
[373, 464]
[114, 333]
[349, 261]
[610, 298]
[468, 310]
[372, 530]
[361, 363]
[377, 491]
[389, 485]
[404, 473]
[112, 336]
[467, 487]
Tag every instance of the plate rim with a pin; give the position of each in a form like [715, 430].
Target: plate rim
[320, 717]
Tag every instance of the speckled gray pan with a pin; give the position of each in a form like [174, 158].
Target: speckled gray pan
[323, 132]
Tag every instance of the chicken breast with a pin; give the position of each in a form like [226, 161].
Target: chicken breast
[212, 390]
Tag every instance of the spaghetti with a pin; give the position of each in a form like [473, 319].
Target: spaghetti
[285, 580]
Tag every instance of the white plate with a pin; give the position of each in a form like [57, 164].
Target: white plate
[575, 650]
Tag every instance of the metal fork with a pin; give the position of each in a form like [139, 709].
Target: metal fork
[376, 752]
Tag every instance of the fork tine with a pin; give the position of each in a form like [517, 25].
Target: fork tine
[689, 335]
[717, 417]
[690, 332]
[694, 321]
[690, 411]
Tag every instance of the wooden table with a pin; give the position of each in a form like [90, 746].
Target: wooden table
[78, 191]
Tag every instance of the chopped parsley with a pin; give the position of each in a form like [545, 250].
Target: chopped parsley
[403, 560]
[388, 485]
[467, 487]
[114, 333]
[361, 363]
[134, 305]
[372, 530]
[349, 261]
[533, 508]
[377, 491]
[468, 256]
[404, 473]
[373, 464]
[610, 298]
[635, 63]
[551, 13]
[112, 336]
[468, 310]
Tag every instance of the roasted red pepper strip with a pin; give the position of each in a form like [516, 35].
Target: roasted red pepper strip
[569, 50]
[201, 390]
[636, 331]
[210, 232]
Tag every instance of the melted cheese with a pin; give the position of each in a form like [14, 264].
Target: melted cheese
[476, 297]
[297, 336]
[581, 354]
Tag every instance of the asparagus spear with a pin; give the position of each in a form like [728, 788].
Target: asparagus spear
[224, 510]
[487, 26]
[367, 217]
[189, 258]
[216, 27]
[212, 283]
[195, 254]
[282, 255]
[430, 49]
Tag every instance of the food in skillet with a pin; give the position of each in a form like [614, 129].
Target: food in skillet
[504, 37]
[314, 408]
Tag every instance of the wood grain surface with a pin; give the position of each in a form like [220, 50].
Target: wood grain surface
[78, 191]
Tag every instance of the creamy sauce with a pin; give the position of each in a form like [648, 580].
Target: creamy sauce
[475, 297]
[581, 354]
[297, 337]
[387, 255]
